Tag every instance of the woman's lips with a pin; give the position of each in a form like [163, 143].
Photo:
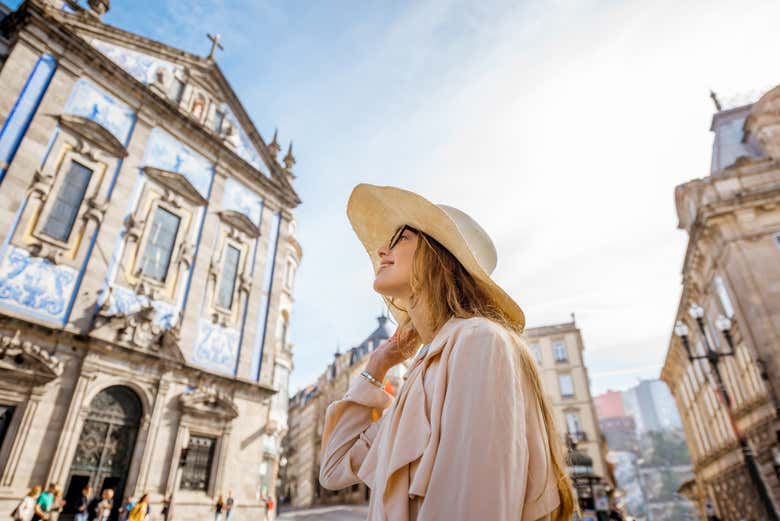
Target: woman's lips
[383, 265]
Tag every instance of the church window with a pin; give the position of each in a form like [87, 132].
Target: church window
[567, 385]
[196, 473]
[559, 350]
[66, 206]
[159, 245]
[227, 284]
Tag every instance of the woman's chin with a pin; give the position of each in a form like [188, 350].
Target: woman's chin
[382, 287]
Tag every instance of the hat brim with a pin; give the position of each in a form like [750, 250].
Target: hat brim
[376, 212]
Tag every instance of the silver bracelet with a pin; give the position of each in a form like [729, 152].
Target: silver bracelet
[371, 379]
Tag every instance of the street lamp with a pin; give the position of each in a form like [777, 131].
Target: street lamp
[713, 357]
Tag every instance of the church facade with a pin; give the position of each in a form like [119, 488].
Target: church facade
[147, 263]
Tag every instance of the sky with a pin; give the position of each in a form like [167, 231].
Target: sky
[561, 126]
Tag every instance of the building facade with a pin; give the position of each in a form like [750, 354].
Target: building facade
[307, 417]
[647, 450]
[730, 276]
[558, 349]
[147, 262]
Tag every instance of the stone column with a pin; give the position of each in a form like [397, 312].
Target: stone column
[181, 440]
[152, 433]
[71, 430]
[222, 458]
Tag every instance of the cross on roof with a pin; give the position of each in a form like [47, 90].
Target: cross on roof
[214, 44]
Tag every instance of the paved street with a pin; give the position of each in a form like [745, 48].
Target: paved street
[334, 513]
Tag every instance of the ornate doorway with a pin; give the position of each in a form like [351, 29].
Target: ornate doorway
[106, 445]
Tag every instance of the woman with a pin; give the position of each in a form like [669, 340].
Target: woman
[105, 505]
[26, 508]
[470, 436]
[140, 509]
[218, 508]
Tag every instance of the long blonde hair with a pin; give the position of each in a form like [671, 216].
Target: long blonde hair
[449, 290]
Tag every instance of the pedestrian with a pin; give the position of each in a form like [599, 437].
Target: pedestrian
[92, 507]
[25, 510]
[57, 505]
[471, 434]
[82, 503]
[229, 501]
[269, 506]
[44, 503]
[125, 509]
[218, 508]
[105, 505]
[140, 510]
[166, 509]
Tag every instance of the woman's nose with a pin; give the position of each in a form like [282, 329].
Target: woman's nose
[383, 250]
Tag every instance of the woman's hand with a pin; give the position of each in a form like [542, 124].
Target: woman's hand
[392, 352]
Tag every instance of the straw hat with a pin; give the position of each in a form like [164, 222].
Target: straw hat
[376, 212]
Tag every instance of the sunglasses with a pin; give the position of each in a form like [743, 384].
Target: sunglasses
[398, 234]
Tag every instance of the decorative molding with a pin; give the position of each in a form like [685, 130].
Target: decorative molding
[139, 323]
[34, 284]
[240, 222]
[27, 361]
[177, 183]
[208, 402]
[93, 132]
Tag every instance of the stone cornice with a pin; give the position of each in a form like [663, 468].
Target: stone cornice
[93, 132]
[240, 222]
[209, 403]
[55, 25]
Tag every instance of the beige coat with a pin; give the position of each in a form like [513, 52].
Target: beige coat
[463, 440]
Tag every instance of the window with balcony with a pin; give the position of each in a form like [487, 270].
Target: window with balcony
[567, 385]
[62, 216]
[559, 351]
[573, 426]
[159, 244]
[227, 283]
[196, 473]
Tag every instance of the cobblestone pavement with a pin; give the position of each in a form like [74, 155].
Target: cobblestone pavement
[334, 513]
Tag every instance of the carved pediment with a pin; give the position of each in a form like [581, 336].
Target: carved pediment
[177, 183]
[93, 132]
[208, 402]
[139, 331]
[27, 361]
[240, 222]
